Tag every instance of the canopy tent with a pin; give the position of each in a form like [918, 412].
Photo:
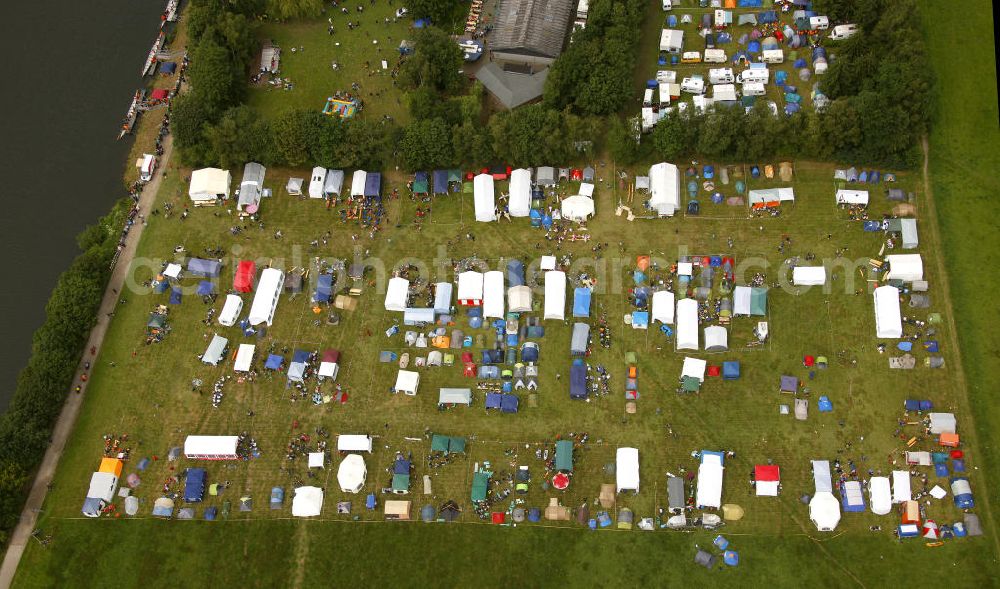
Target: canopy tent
[676, 497]
[519, 204]
[710, 473]
[578, 381]
[204, 268]
[354, 443]
[317, 460]
[716, 338]
[308, 502]
[396, 294]
[205, 288]
[579, 339]
[324, 289]
[442, 297]
[493, 295]
[822, 480]
[577, 208]
[274, 362]
[231, 310]
[294, 186]
[808, 275]
[852, 197]
[297, 367]
[627, 469]
[851, 497]
[440, 181]
[545, 176]
[581, 301]
[484, 199]
[352, 473]
[687, 324]
[908, 232]
[334, 183]
[215, 351]
[888, 319]
[664, 189]
[373, 184]
[519, 299]
[265, 302]
[358, 183]
[663, 307]
[407, 382]
[768, 479]
[209, 184]
[329, 364]
[768, 197]
[418, 316]
[455, 396]
[316, 182]
[694, 368]
[480, 486]
[421, 183]
[244, 358]
[555, 295]
[905, 267]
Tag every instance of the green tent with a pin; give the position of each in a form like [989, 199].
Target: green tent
[690, 384]
[454, 175]
[156, 321]
[630, 357]
[440, 443]
[457, 445]
[400, 482]
[758, 301]
[480, 485]
[467, 188]
[564, 455]
[420, 186]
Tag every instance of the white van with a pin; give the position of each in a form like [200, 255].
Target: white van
[841, 32]
[693, 85]
[819, 23]
[754, 75]
[753, 89]
[666, 76]
[714, 56]
[722, 75]
[647, 97]
[231, 310]
[772, 56]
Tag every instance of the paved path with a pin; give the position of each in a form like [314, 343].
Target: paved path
[67, 418]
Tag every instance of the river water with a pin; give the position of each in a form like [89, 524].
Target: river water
[70, 71]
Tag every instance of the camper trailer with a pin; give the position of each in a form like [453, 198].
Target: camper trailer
[772, 56]
[693, 85]
[721, 75]
[819, 23]
[841, 32]
[753, 89]
[691, 57]
[715, 56]
[754, 75]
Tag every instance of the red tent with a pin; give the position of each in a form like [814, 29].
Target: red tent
[245, 272]
[470, 370]
[808, 361]
[499, 517]
[766, 473]
[576, 174]
[560, 481]
[159, 94]
[714, 370]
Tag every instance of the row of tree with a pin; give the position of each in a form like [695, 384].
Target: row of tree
[42, 386]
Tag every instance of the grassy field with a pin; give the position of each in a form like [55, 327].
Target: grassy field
[147, 393]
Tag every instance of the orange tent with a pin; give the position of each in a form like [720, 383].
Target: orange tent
[112, 465]
[730, 3]
[949, 440]
[642, 262]
[911, 512]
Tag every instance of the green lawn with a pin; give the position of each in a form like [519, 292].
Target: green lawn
[147, 393]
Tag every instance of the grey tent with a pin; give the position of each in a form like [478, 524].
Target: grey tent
[334, 182]
[908, 231]
[705, 559]
[293, 282]
[252, 185]
[904, 362]
[747, 19]
[642, 183]
[588, 174]
[895, 195]
[675, 493]
[545, 176]
[131, 505]
[578, 342]
[920, 301]
[455, 397]
[216, 350]
[801, 409]
[972, 525]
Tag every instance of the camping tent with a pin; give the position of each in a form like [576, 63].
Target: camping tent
[852, 197]
[493, 294]
[420, 183]
[204, 268]
[358, 183]
[520, 193]
[265, 302]
[442, 297]
[888, 319]
[687, 324]
[664, 189]
[577, 208]
[716, 338]
[329, 364]
[209, 184]
[710, 471]
[485, 201]
[581, 301]
[768, 478]
[215, 351]
[519, 299]
[905, 267]
[297, 367]
[244, 358]
[455, 396]
[663, 307]
[470, 288]
[396, 294]
[352, 473]
[440, 181]
[808, 275]
[407, 382]
[334, 183]
[316, 182]
[555, 295]
[579, 339]
[308, 501]
[578, 381]
[627, 469]
[246, 272]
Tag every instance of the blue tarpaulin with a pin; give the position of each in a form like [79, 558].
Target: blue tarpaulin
[202, 267]
[750, 3]
[175, 295]
[205, 288]
[440, 181]
[640, 319]
[581, 302]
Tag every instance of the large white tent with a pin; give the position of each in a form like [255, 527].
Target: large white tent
[316, 182]
[765, 196]
[716, 339]
[358, 182]
[519, 299]
[407, 382]
[824, 509]
[577, 208]
[244, 358]
[354, 443]
[211, 447]
[493, 294]
[663, 307]
[905, 267]
[852, 197]
[442, 297]
[215, 351]
[687, 324]
[627, 469]
[942, 423]
[880, 495]
[741, 301]
[396, 294]
[308, 502]
[664, 189]
[470, 288]
[231, 310]
[901, 492]
[265, 301]
[710, 473]
[520, 193]
[209, 184]
[888, 319]
[695, 368]
[484, 198]
[352, 473]
[808, 275]
[555, 295]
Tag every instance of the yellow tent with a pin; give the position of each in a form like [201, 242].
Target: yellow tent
[112, 465]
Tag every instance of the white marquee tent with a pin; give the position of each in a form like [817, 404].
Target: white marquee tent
[888, 319]
[265, 301]
[663, 307]
[231, 310]
[627, 469]
[687, 325]
[664, 189]
[470, 288]
[880, 495]
[208, 184]
[215, 351]
[710, 473]
[358, 182]
[396, 294]
[577, 208]
[808, 275]
[493, 294]
[442, 297]
[308, 502]
[905, 267]
[901, 492]
[852, 197]
[485, 201]
[769, 195]
[244, 358]
[716, 339]
[316, 182]
[354, 443]
[519, 299]
[407, 382]
[741, 301]
[352, 473]
[520, 193]
[555, 295]
[824, 509]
